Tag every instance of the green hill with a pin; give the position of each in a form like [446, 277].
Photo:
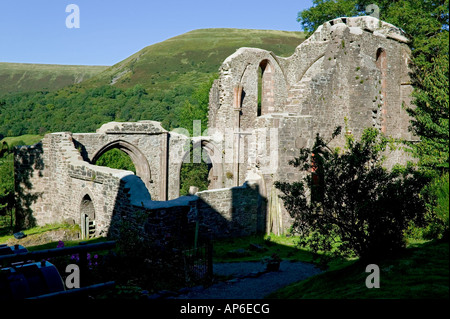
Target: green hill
[192, 57]
[167, 82]
[24, 77]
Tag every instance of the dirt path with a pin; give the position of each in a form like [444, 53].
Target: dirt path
[250, 282]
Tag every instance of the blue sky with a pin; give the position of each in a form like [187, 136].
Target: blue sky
[34, 31]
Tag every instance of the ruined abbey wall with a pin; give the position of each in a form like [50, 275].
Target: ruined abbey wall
[59, 183]
[352, 72]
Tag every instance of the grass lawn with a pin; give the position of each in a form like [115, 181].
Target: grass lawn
[34, 234]
[255, 248]
[420, 272]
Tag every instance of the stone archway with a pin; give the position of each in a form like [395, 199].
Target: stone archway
[137, 157]
[87, 218]
[209, 155]
[216, 172]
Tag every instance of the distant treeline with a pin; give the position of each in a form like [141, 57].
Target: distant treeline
[79, 109]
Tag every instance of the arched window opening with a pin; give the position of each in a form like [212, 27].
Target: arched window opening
[265, 96]
[87, 213]
[116, 158]
[260, 75]
[132, 159]
[196, 172]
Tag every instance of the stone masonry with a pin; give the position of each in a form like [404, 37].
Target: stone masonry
[352, 72]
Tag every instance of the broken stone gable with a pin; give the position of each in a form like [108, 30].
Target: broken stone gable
[352, 72]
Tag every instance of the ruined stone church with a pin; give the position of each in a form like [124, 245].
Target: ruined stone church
[262, 109]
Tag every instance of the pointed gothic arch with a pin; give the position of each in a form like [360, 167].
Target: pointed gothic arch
[137, 157]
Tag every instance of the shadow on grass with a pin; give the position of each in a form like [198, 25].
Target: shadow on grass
[255, 248]
[420, 272]
[68, 243]
[6, 231]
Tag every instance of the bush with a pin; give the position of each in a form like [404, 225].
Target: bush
[6, 179]
[437, 193]
[351, 205]
[436, 197]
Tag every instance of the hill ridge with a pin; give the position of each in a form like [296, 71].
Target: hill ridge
[195, 53]
[167, 82]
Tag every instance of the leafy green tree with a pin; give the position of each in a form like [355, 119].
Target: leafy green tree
[30, 113]
[437, 199]
[325, 10]
[6, 179]
[194, 174]
[431, 114]
[356, 207]
[116, 158]
[196, 108]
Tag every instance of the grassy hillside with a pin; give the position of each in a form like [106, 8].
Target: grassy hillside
[191, 57]
[421, 272]
[160, 82]
[24, 77]
[22, 140]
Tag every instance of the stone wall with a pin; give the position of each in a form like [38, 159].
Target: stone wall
[64, 180]
[63, 186]
[352, 72]
[229, 212]
[145, 142]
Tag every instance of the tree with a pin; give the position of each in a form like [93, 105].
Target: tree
[325, 10]
[356, 207]
[6, 179]
[196, 108]
[437, 201]
[194, 173]
[431, 116]
[117, 159]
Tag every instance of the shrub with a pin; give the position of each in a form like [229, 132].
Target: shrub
[6, 179]
[437, 193]
[351, 205]
[436, 197]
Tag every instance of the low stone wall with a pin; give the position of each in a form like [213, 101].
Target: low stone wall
[220, 213]
[160, 226]
[230, 212]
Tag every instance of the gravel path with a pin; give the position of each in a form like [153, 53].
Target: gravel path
[250, 282]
